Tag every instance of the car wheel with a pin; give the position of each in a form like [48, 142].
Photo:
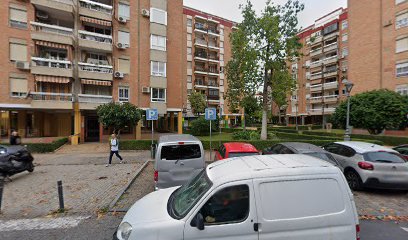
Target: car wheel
[354, 180]
[31, 168]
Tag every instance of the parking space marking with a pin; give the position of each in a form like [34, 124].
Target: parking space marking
[405, 229]
[40, 223]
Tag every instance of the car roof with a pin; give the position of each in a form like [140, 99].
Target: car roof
[178, 138]
[303, 147]
[363, 147]
[239, 147]
[261, 166]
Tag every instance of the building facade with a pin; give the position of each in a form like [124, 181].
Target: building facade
[378, 45]
[320, 69]
[63, 58]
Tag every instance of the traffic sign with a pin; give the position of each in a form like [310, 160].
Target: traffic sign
[210, 114]
[152, 115]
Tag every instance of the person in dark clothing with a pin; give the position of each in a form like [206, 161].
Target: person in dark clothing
[114, 149]
[15, 139]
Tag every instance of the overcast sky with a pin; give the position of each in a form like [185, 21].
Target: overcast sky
[229, 9]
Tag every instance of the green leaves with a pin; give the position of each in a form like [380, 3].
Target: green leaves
[197, 101]
[118, 115]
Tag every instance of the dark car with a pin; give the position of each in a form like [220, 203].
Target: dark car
[403, 150]
[301, 148]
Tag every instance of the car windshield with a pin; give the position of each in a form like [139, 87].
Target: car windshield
[322, 156]
[188, 195]
[383, 157]
[180, 152]
[242, 154]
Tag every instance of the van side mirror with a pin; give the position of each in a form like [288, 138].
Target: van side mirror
[198, 222]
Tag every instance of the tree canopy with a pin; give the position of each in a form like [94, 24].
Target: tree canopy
[197, 101]
[118, 115]
[375, 111]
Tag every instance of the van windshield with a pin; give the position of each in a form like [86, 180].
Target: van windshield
[180, 152]
[184, 198]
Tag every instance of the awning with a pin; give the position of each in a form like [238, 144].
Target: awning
[96, 82]
[96, 21]
[51, 79]
[52, 45]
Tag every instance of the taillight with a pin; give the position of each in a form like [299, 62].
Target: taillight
[156, 176]
[366, 166]
[357, 232]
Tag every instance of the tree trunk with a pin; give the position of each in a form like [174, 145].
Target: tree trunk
[264, 131]
[279, 115]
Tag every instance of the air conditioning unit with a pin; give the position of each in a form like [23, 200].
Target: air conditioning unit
[41, 15]
[122, 45]
[344, 69]
[119, 75]
[145, 13]
[145, 90]
[122, 19]
[308, 77]
[22, 65]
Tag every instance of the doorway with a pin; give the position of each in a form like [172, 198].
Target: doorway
[91, 129]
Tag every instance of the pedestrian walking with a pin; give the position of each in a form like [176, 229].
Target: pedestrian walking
[15, 139]
[114, 149]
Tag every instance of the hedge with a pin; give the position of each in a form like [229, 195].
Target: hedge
[45, 147]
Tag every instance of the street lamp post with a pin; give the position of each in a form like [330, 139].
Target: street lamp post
[349, 87]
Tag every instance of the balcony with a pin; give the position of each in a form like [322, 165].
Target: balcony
[327, 86]
[95, 10]
[213, 31]
[315, 76]
[61, 5]
[213, 45]
[331, 98]
[90, 102]
[331, 35]
[331, 47]
[316, 52]
[200, 43]
[213, 72]
[318, 111]
[213, 98]
[317, 41]
[201, 56]
[51, 67]
[315, 99]
[90, 40]
[200, 27]
[315, 64]
[46, 100]
[200, 70]
[51, 33]
[330, 73]
[92, 71]
[331, 60]
[214, 58]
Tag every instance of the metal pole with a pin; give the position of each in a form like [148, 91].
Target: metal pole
[219, 126]
[60, 196]
[297, 126]
[347, 133]
[152, 132]
[1, 190]
[210, 141]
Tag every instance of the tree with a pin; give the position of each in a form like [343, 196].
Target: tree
[374, 111]
[197, 101]
[281, 86]
[261, 47]
[118, 115]
[251, 106]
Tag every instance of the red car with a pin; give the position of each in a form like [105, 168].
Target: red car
[235, 149]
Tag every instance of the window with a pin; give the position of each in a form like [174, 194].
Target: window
[344, 52]
[93, 58]
[213, 92]
[158, 42]
[18, 18]
[330, 29]
[18, 87]
[124, 37]
[158, 16]
[189, 51]
[189, 79]
[402, 45]
[158, 69]
[344, 38]
[402, 69]
[403, 90]
[344, 24]
[383, 157]
[189, 22]
[158, 95]
[18, 52]
[189, 37]
[221, 31]
[229, 205]
[401, 20]
[189, 65]
[399, 1]
[221, 44]
[124, 65]
[123, 94]
[124, 11]
[180, 152]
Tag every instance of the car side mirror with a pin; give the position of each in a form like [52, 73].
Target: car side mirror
[198, 222]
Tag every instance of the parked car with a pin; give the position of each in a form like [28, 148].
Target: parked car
[293, 197]
[235, 149]
[301, 148]
[178, 158]
[403, 150]
[15, 159]
[370, 165]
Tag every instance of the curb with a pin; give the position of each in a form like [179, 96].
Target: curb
[113, 203]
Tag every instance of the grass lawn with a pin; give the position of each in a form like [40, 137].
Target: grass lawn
[217, 137]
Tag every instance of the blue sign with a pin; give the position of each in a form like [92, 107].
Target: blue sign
[210, 114]
[152, 114]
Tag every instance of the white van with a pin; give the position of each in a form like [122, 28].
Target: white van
[294, 197]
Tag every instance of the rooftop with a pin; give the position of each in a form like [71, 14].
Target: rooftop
[363, 147]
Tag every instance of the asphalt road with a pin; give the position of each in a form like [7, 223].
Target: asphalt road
[104, 228]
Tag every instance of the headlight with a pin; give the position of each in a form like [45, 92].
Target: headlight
[124, 230]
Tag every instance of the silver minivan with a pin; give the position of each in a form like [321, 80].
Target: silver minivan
[178, 158]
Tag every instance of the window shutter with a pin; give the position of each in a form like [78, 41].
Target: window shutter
[123, 37]
[18, 52]
[18, 85]
[158, 16]
[18, 15]
[124, 11]
[402, 45]
[124, 66]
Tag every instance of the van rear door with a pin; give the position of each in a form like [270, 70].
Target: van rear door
[299, 208]
[177, 163]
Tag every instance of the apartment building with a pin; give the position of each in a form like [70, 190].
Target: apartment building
[378, 45]
[320, 69]
[60, 59]
[208, 51]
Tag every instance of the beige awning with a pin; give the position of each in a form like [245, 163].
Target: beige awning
[52, 45]
[96, 21]
[51, 79]
[96, 82]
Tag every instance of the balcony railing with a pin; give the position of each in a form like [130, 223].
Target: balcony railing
[100, 7]
[200, 41]
[87, 98]
[42, 27]
[201, 54]
[213, 97]
[213, 45]
[213, 31]
[200, 69]
[326, 86]
[200, 26]
[96, 37]
[315, 64]
[46, 96]
[95, 68]
[69, 2]
[52, 63]
[319, 110]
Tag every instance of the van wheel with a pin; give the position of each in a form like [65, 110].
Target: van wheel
[354, 180]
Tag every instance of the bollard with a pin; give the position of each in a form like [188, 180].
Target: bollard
[60, 196]
[1, 190]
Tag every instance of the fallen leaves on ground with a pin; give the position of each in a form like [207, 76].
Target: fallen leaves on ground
[384, 218]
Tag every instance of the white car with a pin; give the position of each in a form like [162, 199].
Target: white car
[295, 197]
